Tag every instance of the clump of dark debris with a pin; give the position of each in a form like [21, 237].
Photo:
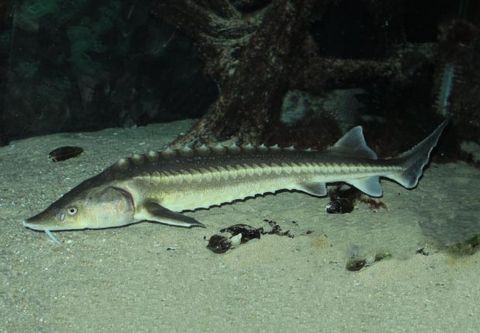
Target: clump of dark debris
[424, 251]
[343, 200]
[238, 234]
[356, 263]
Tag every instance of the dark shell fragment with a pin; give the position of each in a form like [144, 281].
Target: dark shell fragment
[276, 229]
[339, 206]
[248, 232]
[64, 153]
[343, 201]
[221, 244]
[355, 263]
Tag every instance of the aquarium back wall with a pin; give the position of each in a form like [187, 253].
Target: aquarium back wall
[87, 65]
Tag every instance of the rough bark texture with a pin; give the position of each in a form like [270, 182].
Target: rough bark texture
[257, 57]
[249, 56]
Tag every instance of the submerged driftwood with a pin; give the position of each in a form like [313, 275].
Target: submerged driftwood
[256, 57]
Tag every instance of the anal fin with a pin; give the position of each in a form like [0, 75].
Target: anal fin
[368, 185]
[315, 189]
[154, 212]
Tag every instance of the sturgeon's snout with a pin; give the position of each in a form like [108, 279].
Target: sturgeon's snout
[40, 227]
[27, 224]
[45, 220]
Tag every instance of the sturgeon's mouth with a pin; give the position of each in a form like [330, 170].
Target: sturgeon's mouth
[37, 227]
[32, 226]
[36, 223]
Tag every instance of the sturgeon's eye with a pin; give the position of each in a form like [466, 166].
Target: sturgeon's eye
[72, 210]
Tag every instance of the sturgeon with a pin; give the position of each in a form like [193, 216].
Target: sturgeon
[161, 186]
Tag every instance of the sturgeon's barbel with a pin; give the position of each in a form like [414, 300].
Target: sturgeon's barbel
[159, 186]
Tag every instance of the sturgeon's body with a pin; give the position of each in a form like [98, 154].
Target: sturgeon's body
[159, 186]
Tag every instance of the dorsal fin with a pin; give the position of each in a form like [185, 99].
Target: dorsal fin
[353, 144]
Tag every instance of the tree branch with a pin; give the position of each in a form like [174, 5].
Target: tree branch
[252, 93]
[318, 73]
[222, 8]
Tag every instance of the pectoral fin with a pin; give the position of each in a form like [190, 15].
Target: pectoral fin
[153, 212]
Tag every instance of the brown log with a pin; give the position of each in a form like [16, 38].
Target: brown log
[252, 87]
[256, 58]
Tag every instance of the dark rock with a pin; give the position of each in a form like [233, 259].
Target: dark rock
[64, 153]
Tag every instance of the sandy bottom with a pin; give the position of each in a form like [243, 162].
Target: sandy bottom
[154, 278]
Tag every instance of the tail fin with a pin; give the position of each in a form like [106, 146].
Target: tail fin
[414, 160]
